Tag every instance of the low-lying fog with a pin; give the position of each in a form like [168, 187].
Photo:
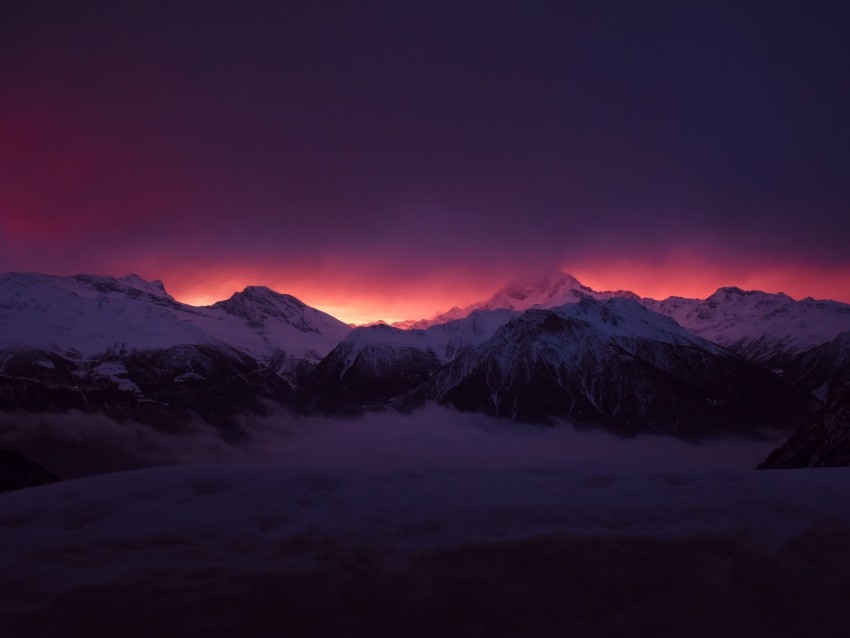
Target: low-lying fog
[74, 444]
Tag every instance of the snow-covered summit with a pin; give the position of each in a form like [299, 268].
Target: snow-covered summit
[444, 340]
[760, 326]
[132, 285]
[85, 285]
[756, 324]
[259, 305]
[550, 290]
[89, 316]
[86, 315]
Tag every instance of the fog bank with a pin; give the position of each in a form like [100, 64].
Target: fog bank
[75, 444]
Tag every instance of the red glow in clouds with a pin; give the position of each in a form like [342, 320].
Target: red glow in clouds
[351, 297]
[363, 297]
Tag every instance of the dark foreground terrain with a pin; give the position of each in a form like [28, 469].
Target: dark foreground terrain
[262, 551]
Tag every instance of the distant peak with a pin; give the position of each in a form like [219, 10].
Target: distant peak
[730, 292]
[550, 289]
[263, 291]
[726, 291]
[256, 304]
[257, 291]
[626, 294]
[135, 281]
[379, 322]
[129, 284]
[261, 295]
[553, 279]
[546, 290]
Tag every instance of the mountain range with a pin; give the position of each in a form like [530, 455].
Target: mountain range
[546, 351]
[125, 347]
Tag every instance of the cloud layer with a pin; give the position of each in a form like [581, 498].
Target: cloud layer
[352, 154]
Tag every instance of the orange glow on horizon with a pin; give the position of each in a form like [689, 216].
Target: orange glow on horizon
[352, 300]
[360, 298]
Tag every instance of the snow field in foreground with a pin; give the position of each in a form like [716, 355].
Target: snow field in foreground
[264, 550]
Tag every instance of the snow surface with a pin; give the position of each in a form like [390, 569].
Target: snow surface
[754, 323]
[445, 340]
[768, 323]
[627, 318]
[90, 316]
[221, 551]
[612, 317]
[437, 524]
[549, 291]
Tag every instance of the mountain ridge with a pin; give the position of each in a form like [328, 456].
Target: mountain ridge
[543, 350]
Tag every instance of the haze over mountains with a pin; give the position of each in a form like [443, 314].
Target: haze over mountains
[548, 351]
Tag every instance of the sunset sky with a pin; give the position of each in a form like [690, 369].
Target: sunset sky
[393, 159]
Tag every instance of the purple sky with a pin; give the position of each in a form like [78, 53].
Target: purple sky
[390, 159]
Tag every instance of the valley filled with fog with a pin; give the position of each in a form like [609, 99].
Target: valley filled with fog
[436, 523]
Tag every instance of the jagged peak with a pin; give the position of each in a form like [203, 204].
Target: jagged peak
[550, 289]
[264, 292]
[132, 285]
[378, 322]
[727, 292]
[255, 304]
[842, 340]
[547, 290]
[260, 296]
[551, 281]
[731, 290]
[379, 327]
[626, 294]
[135, 281]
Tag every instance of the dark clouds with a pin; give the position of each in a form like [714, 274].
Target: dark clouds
[405, 136]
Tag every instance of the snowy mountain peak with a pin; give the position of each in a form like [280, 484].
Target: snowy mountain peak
[733, 293]
[728, 291]
[550, 290]
[154, 286]
[549, 286]
[758, 325]
[89, 317]
[264, 294]
[257, 304]
[625, 294]
[129, 285]
[84, 285]
[260, 297]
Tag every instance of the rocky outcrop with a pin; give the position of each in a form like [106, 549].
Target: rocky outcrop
[822, 441]
[597, 365]
[18, 472]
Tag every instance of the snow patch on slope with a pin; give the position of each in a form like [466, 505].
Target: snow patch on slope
[627, 318]
[445, 340]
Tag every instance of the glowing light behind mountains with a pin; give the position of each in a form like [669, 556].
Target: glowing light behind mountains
[388, 161]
